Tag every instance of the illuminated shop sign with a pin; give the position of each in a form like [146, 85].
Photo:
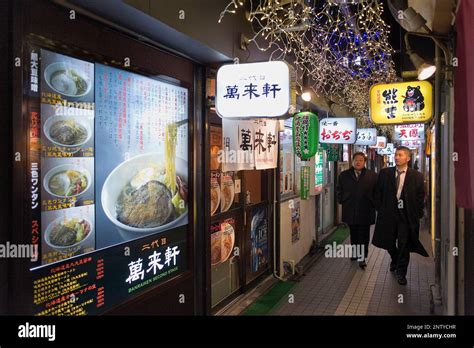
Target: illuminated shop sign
[381, 143]
[414, 131]
[406, 102]
[305, 132]
[337, 130]
[253, 90]
[387, 150]
[366, 136]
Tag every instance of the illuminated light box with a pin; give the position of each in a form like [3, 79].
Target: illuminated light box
[366, 136]
[406, 102]
[381, 143]
[337, 130]
[253, 90]
[414, 131]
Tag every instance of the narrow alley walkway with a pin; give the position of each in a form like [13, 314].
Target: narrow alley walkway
[337, 286]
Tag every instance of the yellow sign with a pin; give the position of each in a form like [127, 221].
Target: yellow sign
[405, 102]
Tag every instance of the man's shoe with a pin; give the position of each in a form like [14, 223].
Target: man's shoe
[393, 267]
[402, 280]
[362, 264]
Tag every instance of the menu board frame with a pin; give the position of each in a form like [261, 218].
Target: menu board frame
[23, 103]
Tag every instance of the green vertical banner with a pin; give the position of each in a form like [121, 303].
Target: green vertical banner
[304, 183]
[305, 134]
[318, 167]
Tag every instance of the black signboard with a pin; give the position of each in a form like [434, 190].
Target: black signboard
[94, 282]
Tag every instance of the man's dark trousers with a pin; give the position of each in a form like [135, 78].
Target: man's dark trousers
[360, 234]
[399, 251]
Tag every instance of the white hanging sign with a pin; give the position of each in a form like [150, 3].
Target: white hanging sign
[337, 130]
[253, 90]
[387, 150]
[381, 143]
[266, 144]
[412, 144]
[249, 145]
[415, 131]
[366, 136]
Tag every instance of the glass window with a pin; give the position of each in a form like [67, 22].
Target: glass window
[287, 163]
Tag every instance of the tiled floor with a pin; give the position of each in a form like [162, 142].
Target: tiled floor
[337, 286]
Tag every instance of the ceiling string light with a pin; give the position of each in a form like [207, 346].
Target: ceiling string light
[341, 46]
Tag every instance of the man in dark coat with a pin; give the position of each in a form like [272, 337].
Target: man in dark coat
[355, 191]
[399, 200]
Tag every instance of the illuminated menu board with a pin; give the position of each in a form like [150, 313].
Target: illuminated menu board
[108, 166]
[94, 282]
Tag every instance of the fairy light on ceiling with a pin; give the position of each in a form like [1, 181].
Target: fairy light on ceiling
[341, 45]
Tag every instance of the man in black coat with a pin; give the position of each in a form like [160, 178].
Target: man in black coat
[355, 190]
[399, 200]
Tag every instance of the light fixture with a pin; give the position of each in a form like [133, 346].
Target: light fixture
[306, 96]
[425, 71]
[423, 68]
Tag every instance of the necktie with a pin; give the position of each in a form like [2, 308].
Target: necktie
[399, 172]
[357, 174]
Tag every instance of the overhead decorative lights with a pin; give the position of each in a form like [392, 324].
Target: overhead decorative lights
[342, 45]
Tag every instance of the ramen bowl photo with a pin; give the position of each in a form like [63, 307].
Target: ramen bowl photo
[139, 197]
[69, 132]
[67, 180]
[67, 234]
[67, 79]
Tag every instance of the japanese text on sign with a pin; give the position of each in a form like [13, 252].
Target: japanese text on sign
[405, 102]
[155, 264]
[337, 131]
[253, 90]
[366, 136]
[410, 132]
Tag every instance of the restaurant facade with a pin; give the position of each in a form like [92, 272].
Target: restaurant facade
[119, 180]
[116, 183]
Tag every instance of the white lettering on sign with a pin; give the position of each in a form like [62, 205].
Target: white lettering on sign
[155, 264]
[34, 185]
[37, 331]
[253, 90]
[34, 68]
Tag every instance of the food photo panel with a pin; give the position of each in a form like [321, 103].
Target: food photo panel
[142, 180]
